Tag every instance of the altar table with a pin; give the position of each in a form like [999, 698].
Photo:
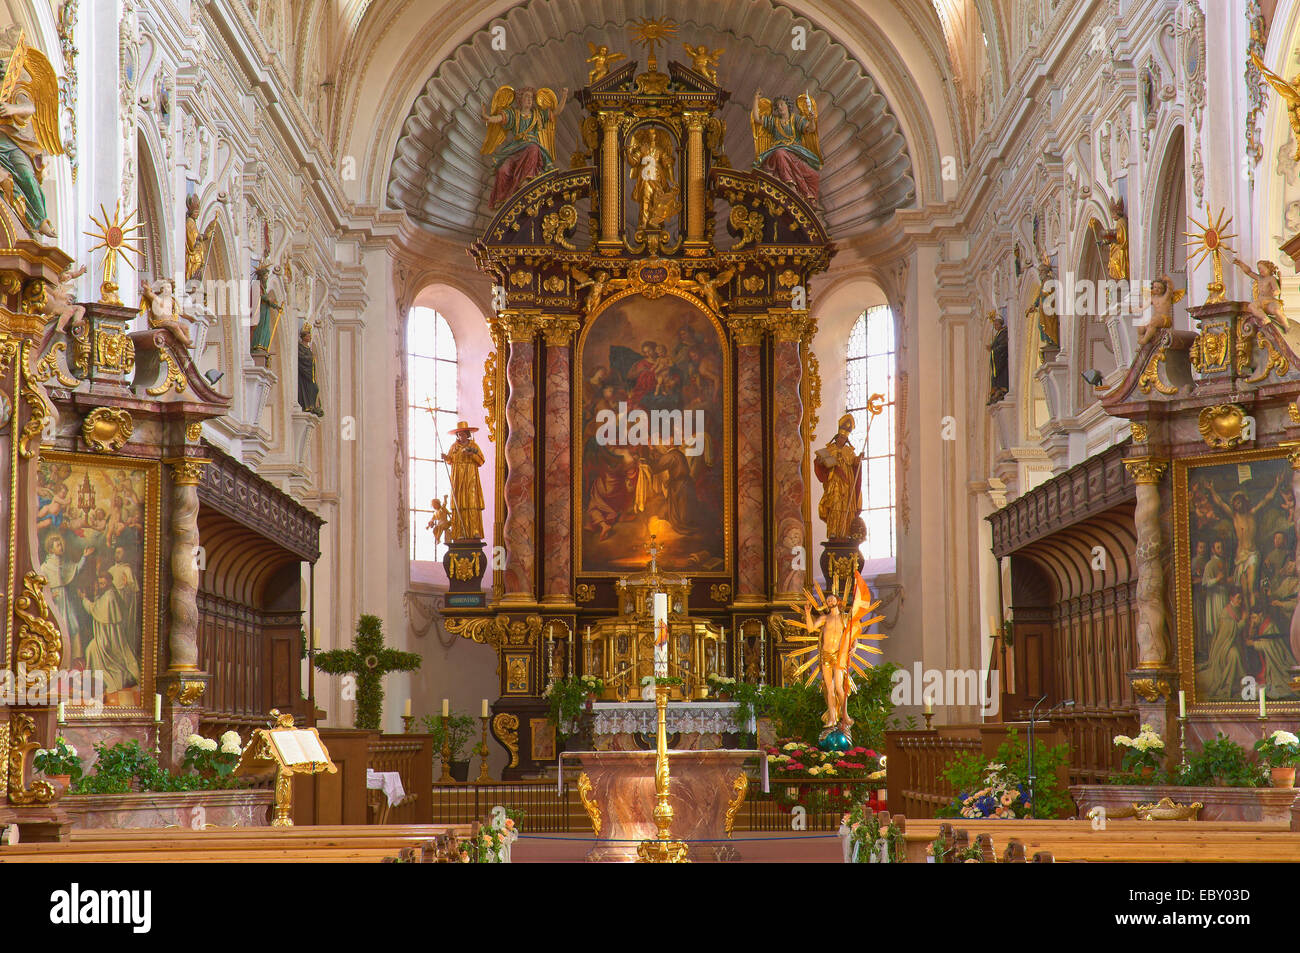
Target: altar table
[701, 724]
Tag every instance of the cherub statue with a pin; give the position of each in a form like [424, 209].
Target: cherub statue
[600, 59]
[599, 285]
[520, 137]
[708, 288]
[704, 60]
[440, 522]
[29, 127]
[61, 302]
[1266, 294]
[786, 145]
[836, 645]
[157, 301]
[1162, 298]
[1290, 93]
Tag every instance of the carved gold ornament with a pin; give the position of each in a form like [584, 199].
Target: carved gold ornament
[1221, 425]
[589, 802]
[1151, 689]
[187, 471]
[1139, 432]
[753, 284]
[1293, 411]
[38, 645]
[107, 429]
[1167, 809]
[21, 729]
[748, 223]
[1151, 375]
[194, 431]
[1277, 361]
[720, 592]
[556, 225]
[175, 377]
[739, 788]
[584, 592]
[653, 277]
[554, 284]
[465, 567]
[48, 366]
[521, 278]
[506, 728]
[1209, 352]
[185, 693]
[1144, 470]
[33, 396]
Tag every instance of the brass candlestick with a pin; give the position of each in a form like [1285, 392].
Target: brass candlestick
[483, 776]
[408, 724]
[1182, 741]
[664, 850]
[446, 753]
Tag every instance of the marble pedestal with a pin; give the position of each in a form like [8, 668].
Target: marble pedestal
[704, 787]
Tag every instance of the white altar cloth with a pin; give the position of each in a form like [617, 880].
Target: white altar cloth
[701, 717]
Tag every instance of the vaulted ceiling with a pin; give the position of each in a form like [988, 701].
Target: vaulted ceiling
[439, 178]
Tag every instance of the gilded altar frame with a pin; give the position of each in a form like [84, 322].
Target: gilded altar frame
[1183, 467]
[728, 430]
[150, 571]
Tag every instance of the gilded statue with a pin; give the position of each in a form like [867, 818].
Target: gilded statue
[1116, 240]
[600, 59]
[158, 303]
[707, 288]
[440, 521]
[1042, 311]
[601, 284]
[1162, 298]
[704, 60]
[837, 646]
[464, 459]
[999, 377]
[839, 468]
[197, 242]
[650, 162]
[520, 137]
[29, 127]
[1266, 294]
[787, 143]
[1290, 93]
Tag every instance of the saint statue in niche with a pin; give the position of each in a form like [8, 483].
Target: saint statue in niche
[464, 459]
[308, 384]
[197, 242]
[650, 161]
[998, 355]
[787, 144]
[29, 127]
[839, 468]
[520, 137]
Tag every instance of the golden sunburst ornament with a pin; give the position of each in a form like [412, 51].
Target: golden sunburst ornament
[858, 609]
[1211, 239]
[649, 32]
[115, 235]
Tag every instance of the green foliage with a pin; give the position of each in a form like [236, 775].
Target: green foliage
[567, 697]
[796, 710]
[125, 767]
[1223, 763]
[61, 759]
[1281, 749]
[460, 729]
[369, 662]
[866, 833]
[966, 773]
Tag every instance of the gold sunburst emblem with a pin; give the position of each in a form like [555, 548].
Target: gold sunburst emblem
[1211, 239]
[114, 235]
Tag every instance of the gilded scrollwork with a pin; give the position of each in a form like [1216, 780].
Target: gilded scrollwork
[1151, 689]
[490, 394]
[589, 802]
[1151, 375]
[185, 693]
[739, 788]
[38, 644]
[174, 377]
[21, 729]
[505, 727]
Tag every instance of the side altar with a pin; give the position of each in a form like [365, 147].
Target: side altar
[652, 378]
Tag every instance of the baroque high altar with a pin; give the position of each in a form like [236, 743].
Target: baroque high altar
[652, 379]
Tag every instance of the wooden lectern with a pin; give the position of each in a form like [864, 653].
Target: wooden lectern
[288, 751]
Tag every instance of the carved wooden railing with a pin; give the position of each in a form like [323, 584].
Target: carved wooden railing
[915, 761]
[411, 756]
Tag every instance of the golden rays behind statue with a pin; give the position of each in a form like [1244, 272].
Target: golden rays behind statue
[1210, 239]
[836, 646]
[115, 236]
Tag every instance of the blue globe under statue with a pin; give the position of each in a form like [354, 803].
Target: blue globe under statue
[835, 741]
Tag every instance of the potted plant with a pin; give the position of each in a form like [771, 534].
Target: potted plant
[459, 733]
[567, 697]
[1280, 751]
[212, 759]
[722, 686]
[1143, 754]
[60, 763]
[1221, 763]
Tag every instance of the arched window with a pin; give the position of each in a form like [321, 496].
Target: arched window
[870, 370]
[431, 415]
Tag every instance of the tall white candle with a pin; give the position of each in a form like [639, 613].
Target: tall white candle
[1261, 702]
[406, 709]
[1182, 704]
[62, 712]
[485, 708]
[157, 707]
[661, 634]
[446, 708]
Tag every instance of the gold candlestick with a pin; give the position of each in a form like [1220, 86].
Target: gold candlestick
[483, 776]
[664, 850]
[408, 724]
[446, 753]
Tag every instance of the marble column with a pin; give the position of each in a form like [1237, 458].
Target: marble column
[748, 332]
[557, 456]
[183, 638]
[1155, 679]
[521, 507]
[788, 451]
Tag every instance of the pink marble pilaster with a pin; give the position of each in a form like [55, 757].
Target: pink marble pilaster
[521, 507]
[788, 450]
[557, 518]
[749, 459]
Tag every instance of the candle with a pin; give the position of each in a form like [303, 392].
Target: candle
[62, 712]
[157, 707]
[446, 708]
[406, 709]
[315, 638]
[485, 708]
[1182, 704]
[993, 627]
[1261, 702]
[929, 704]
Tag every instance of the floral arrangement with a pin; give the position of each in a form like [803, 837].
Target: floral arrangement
[1144, 751]
[566, 696]
[1281, 749]
[799, 759]
[721, 684]
[210, 758]
[491, 844]
[59, 761]
[862, 827]
[1003, 796]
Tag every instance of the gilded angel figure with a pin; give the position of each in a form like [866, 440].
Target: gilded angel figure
[29, 127]
[704, 60]
[600, 59]
[520, 136]
[787, 143]
[1290, 93]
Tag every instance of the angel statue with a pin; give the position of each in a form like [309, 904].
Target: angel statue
[650, 162]
[1290, 93]
[599, 285]
[1162, 298]
[707, 288]
[704, 60]
[836, 646]
[520, 137]
[1266, 294]
[440, 522]
[786, 145]
[61, 303]
[29, 127]
[600, 59]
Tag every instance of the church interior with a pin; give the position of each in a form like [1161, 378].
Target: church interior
[756, 431]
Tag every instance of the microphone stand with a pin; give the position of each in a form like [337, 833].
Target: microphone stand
[1033, 717]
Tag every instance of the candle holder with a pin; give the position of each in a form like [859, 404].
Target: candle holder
[408, 724]
[1182, 741]
[929, 717]
[483, 776]
[157, 739]
[446, 753]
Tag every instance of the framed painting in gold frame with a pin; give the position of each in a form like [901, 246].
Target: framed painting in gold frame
[1235, 580]
[98, 541]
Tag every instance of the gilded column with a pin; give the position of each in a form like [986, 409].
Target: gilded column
[695, 192]
[748, 332]
[183, 637]
[788, 452]
[611, 180]
[557, 458]
[1152, 625]
[520, 526]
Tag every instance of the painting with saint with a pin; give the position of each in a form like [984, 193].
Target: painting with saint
[651, 459]
[1240, 553]
[92, 539]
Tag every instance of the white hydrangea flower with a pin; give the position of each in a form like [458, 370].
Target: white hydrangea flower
[194, 741]
[230, 738]
[228, 748]
[1124, 740]
[208, 744]
[72, 751]
[1281, 737]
